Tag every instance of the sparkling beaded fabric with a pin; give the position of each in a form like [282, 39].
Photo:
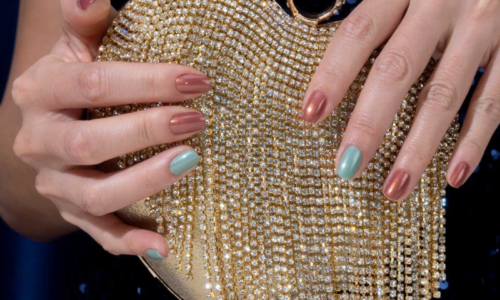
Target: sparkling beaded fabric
[264, 209]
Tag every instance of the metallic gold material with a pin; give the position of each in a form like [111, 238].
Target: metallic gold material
[314, 22]
[264, 215]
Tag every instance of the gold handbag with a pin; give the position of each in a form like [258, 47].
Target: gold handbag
[264, 215]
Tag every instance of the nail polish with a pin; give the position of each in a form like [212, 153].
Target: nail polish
[349, 163]
[184, 161]
[189, 122]
[154, 254]
[83, 4]
[396, 185]
[459, 175]
[192, 84]
[315, 107]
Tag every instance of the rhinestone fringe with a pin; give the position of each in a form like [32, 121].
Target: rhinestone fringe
[275, 220]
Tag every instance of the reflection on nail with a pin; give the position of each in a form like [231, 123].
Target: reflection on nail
[187, 122]
[396, 185]
[154, 254]
[315, 107]
[193, 84]
[83, 4]
[459, 175]
[349, 163]
[184, 161]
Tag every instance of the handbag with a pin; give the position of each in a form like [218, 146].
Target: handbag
[264, 215]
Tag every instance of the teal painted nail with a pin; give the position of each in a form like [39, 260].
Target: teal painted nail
[349, 163]
[154, 254]
[184, 161]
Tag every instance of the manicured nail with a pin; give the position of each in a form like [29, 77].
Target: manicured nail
[396, 185]
[184, 161]
[459, 175]
[192, 84]
[349, 163]
[154, 254]
[315, 107]
[187, 122]
[83, 4]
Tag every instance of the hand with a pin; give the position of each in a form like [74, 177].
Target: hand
[463, 33]
[62, 148]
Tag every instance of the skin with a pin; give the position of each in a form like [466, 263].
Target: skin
[60, 147]
[460, 32]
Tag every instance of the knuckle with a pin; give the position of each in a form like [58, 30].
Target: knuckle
[150, 181]
[149, 124]
[474, 143]
[393, 66]
[93, 84]
[440, 97]
[79, 147]
[111, 249]
[488, 107]
[20, 91]
[21, 148]
[43, 186]
[92, 201]
[365, 126]
[415, 152]
[359, 26]
[332, 71]
[68, 217]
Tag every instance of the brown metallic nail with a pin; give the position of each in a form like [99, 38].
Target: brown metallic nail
[459, 175]
[192, 84]
[315, 107]
[187, 123]
[396, 185]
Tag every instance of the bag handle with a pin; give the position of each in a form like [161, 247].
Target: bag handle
[313, 19]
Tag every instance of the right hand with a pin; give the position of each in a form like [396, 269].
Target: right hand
[62, 148]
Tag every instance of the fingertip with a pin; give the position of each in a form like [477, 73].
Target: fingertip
[87, 17]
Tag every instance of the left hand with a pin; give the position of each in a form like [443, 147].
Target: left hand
[465, 34]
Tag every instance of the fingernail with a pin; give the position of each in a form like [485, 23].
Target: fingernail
[192, 84]
[396, 185]
[459, 175]
[83, 4]
[187, 122]
[154, 254]
[349, 163]
[315, 107]
[184, 161]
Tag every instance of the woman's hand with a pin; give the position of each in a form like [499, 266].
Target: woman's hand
[62, 148]
[465, 35]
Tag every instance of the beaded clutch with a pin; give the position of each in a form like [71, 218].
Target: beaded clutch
[264, 215]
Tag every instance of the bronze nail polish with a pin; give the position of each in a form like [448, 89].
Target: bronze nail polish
[315, 107]
[192, 84]
[396, 185]
[459, 175]
[189, 122]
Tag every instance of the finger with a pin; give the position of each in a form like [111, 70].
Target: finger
[368, 26]
[99, 193]
[100, 84]
[118, 238]
[96, 141]
[399, 65]
[86, 22]
[438, 104]
[483, 118]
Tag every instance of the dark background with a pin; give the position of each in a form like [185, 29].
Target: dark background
[75, 267]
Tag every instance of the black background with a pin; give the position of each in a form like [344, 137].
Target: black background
[75, 267]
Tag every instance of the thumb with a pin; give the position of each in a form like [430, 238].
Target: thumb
[87, 20]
